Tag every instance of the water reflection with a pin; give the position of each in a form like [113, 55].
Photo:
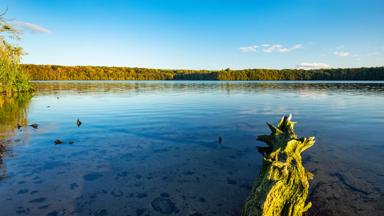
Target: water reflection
[151, 148]
[13, 115]
[47, 87]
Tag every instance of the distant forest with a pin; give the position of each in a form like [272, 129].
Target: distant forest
[55, 72]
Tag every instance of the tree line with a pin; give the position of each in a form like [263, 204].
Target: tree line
[56, 72]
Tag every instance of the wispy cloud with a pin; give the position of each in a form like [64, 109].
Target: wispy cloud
[279, 48]
[312, 66]
[252, 48]
[31, 27]
[374, 53]
[339, 47]
[342, 53]
[270, 48]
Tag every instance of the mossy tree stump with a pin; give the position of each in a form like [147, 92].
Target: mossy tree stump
[282, 185]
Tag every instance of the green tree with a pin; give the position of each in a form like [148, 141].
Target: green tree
[12, 77]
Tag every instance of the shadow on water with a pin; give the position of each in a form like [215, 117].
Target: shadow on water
[13, 114]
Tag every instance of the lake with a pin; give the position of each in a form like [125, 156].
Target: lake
[151, 147]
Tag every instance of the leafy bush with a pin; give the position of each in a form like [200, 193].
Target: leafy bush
[12, 76]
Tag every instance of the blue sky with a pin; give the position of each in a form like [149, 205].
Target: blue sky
[201, 34]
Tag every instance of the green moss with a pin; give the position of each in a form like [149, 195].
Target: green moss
[282, 185]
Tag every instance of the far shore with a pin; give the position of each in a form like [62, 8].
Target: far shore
[56, 72]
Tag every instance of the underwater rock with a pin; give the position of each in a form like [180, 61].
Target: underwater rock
[78, 122]
[282, 185]
[164, 205]
[23, 191]
[74, 186]
[38, 200]
[196, 214]
[164, 194]
[142, 212]
[343, 180]
[43, 207]
[231, 181]
[141, 195]
[34, 125]
[92, 176]
[102, 212]
[53, 213]
[189, 172]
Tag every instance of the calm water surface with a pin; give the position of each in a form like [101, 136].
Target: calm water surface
[151, 148]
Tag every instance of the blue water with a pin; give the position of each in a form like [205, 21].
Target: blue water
[151, 148]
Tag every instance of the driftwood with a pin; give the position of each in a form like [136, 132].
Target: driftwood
[282, 185]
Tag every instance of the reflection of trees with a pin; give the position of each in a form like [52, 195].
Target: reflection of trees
[138, 87]
[13, 111]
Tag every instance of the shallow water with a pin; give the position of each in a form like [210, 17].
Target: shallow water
[151, 148]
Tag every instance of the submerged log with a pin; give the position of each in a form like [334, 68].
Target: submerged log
[282, 185]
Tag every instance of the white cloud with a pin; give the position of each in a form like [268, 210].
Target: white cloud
[31, 27]
[270, 48]
[279, 48]
[376, 53]
[312, 66]
[339, 51]
[252, 48]
[342, 53]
